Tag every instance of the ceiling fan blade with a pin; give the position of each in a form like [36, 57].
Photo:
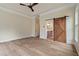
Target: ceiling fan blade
[34, 4]
[31, 8]
[22, 4]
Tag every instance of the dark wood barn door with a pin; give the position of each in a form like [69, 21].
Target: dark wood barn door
[60, 29]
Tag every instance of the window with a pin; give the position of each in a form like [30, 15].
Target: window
[76, 24]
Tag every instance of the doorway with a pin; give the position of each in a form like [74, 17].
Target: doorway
[56, 29]
[37, 26]
[50, 29]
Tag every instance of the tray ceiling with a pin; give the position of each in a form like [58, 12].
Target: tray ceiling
[38, 9]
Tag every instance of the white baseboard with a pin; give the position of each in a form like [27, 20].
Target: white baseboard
[7, 40]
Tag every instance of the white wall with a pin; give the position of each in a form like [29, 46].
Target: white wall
[68, 30]
[77, 28]
[64, 12]
[43, 28]
[13, 26]
[33, 26]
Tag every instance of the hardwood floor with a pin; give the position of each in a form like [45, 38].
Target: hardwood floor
[35, 47]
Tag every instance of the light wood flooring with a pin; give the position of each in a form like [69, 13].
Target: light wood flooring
[35, 47]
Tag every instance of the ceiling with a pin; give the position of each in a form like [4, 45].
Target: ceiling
[38, 9]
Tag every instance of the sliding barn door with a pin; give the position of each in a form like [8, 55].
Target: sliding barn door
[60, 29]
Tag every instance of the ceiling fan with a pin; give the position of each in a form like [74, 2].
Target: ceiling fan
[31, 5]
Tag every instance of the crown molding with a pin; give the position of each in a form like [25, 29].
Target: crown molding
[41, 14]
[14, 12]
[55, 10]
